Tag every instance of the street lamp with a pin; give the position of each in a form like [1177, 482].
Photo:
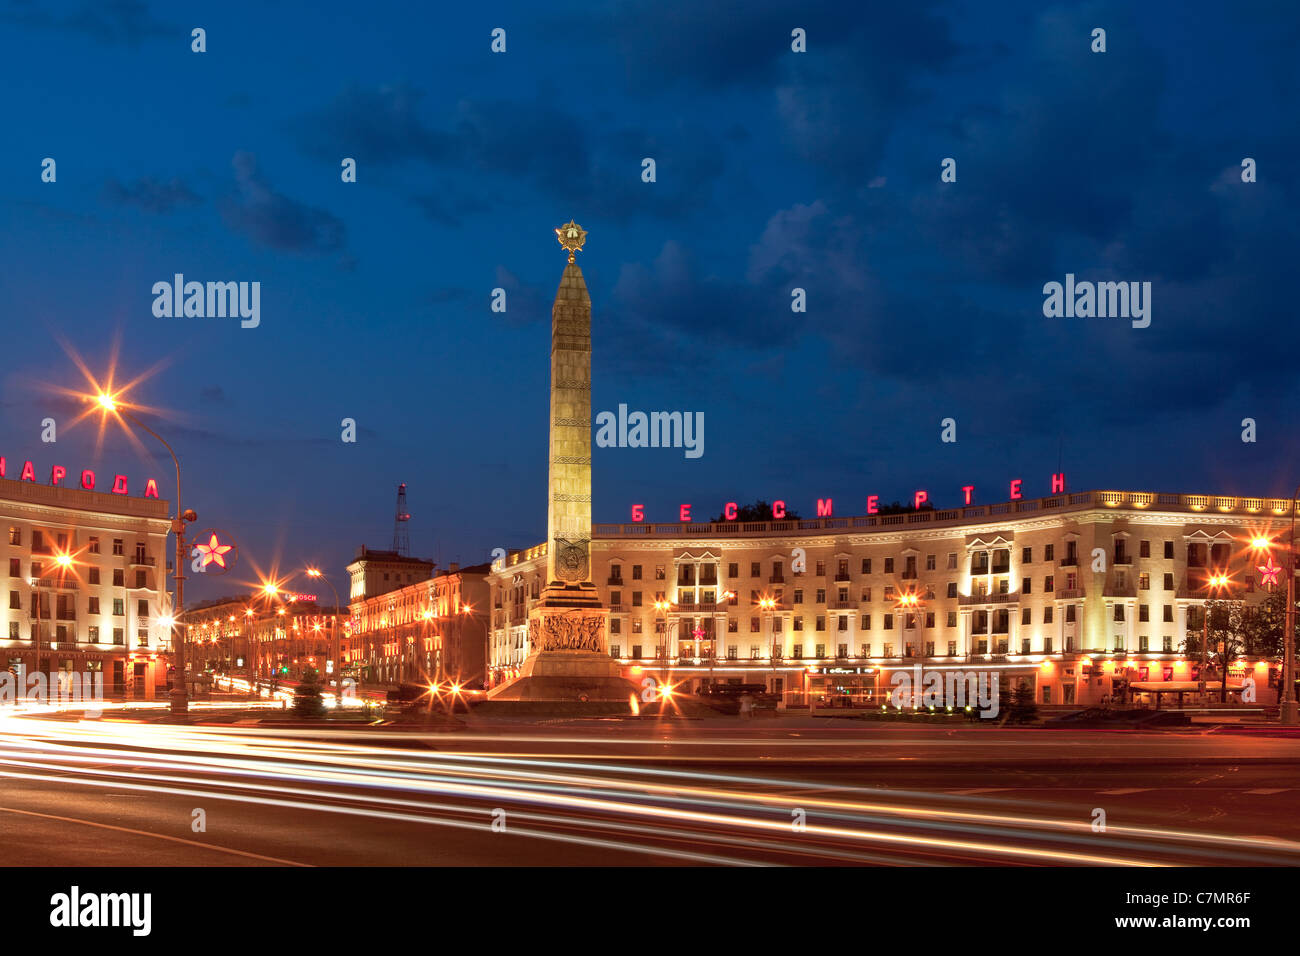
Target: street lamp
[335, 642]
[1287, 710]
[1212, 582]
[179, 700]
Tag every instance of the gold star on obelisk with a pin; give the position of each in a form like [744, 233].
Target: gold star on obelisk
[571, 236]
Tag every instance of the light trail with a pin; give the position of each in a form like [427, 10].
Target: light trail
[322, 771]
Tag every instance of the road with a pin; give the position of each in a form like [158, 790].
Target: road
[626, 792]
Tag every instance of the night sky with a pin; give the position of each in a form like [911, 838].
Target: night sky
[775, 170]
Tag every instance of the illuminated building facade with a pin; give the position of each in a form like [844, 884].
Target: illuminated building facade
[86, 580]
[261, 636]
[433, 628]
[1082, 596]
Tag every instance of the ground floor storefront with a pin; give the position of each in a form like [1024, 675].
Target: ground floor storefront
[125, 674]
[1069, 680]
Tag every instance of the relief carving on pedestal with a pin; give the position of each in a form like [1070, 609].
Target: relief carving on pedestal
[564, 632]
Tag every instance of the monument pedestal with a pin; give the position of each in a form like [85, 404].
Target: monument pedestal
[569, 657]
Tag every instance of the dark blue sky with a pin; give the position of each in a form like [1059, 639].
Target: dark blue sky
[775, 170]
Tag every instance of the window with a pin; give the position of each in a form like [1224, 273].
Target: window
[798, 649]
[952, 618]
[15, 535]
[616, 574]
[1169, 614]
[889, 565]
[733, 570]
[821, 595]
[821, 650]
[616, 650]
[733, 651]
[842, 569]
[13, 631]
[1119, 612]
[1169, 582]
[755, 569]
[929, 562]
[15, 568]
[733, 626]
[616, 598]
[119, 635]
[636, 572]
[15, 601]
[841, 650]
[1047, 614]
[929, 619]
[889, 592]
[93, 632]
[753, 625]
[754, 652]
[888, 650]
[864, 650]
[1026, 555]
[92, 605]
[1027, 586]
[820, 624]
[866, 594]
[843, 624]
[1069, 613]
[1144, 581]
[94, 575]
[1144, 614]
[889, 622]
[1024, 615]
[1024, 645]
[118, 609]
[119, 578]
[1168, 644]
[1144, 551]
[1049, 583]
[866, 622]
[38, 542]
[866, 565]
[636, 626]
[1144, 643]
[615, 626]
[139, 579]
[1049, 552]
[118, 549]
[952, 560]
[659, 572]
[1169, 550]
[798, 623]
[821, 569]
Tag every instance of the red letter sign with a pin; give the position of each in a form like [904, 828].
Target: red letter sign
[638, 512]
[729, 511]
[1015, 489]
[151, 489]
[871, 504]
[778, 509]
[1058, 483]
[684, 513]
[29, 473]
[970, 490]
[919, 499]
[119, 484]
[57, 473]
[823, 508]
[88, 480]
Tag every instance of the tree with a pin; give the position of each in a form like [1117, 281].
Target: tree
[1024, 709]
[1227, 632]
[307, 700]
[760, 510]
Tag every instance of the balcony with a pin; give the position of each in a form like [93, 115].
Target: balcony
[1123, 559]
[1002, 569]
[144, 561]
[1120, 590]
[1071, 594]
[614, 582]
[1070, 561]
[776, 579]
[844, 576]
[842, 605]
[964, 600]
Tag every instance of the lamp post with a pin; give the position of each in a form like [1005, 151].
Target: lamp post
[1212, 582]
[1287, 709]
[335, 644]
[179, 699]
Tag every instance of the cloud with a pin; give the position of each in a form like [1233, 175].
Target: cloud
[151, 194]
[274, 220]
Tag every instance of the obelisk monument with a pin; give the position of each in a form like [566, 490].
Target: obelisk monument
[568, 658]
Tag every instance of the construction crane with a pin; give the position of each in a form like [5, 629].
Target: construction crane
[401, 523]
